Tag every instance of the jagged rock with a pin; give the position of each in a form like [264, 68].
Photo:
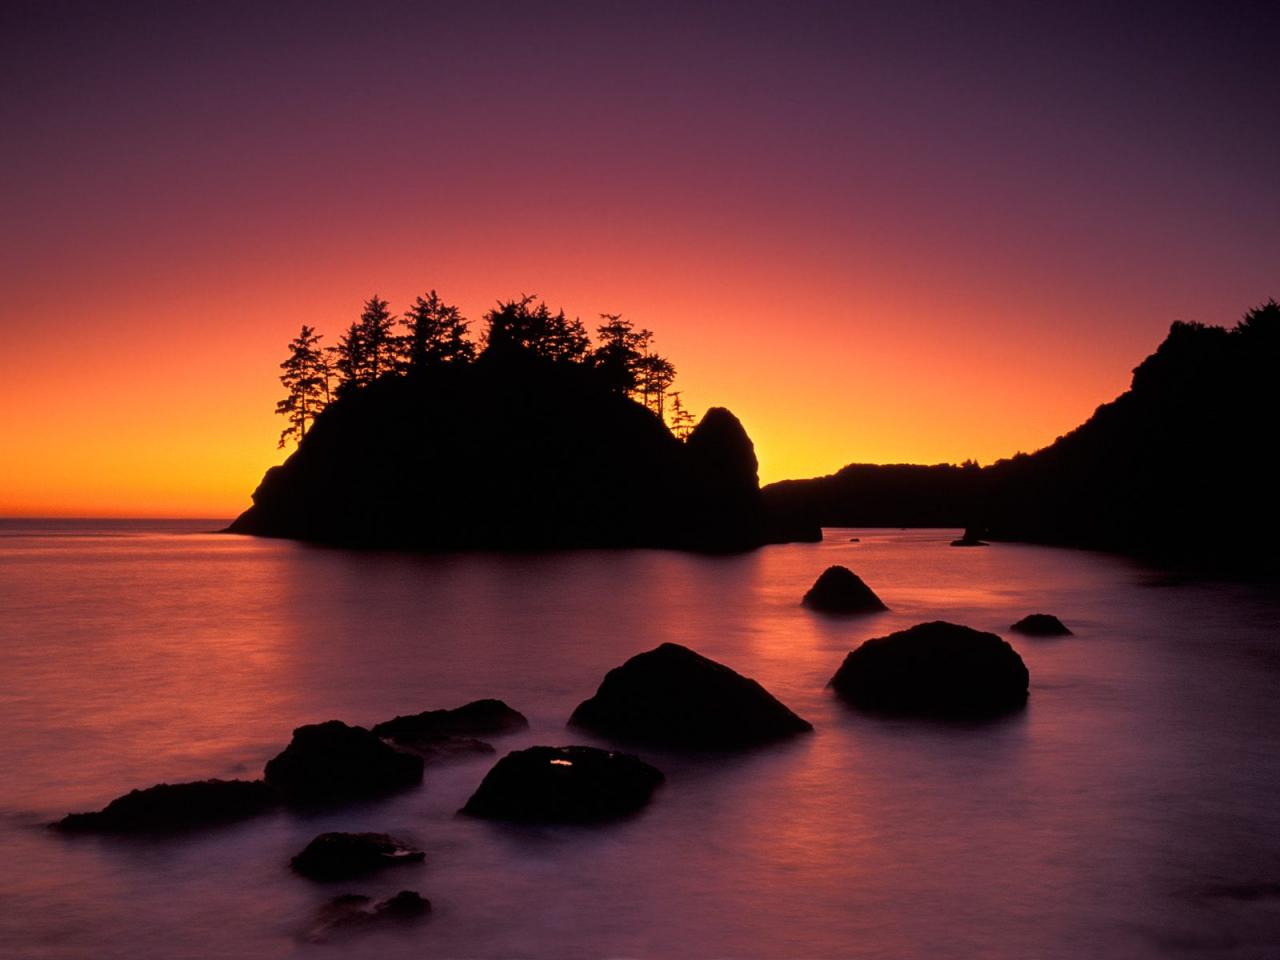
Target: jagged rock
[340, 856]
[176, 806]
[478, 718]
[330, 762]
[352, 911]
[938, 669]
[564, 785]
[840, 590]
[1041, 625]
[675, 697]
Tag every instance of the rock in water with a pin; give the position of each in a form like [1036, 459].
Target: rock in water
[340, 856]
[1041, 625]
[936, 669]
[971, 538]
[176, 806]
[479, 718]
[352, 911]
[840, 590]
[330, 762]
[674, 697]
[564, 785]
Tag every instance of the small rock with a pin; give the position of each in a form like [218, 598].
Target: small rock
[840, 590]
[972, 538]
[1041, 625]
[564, 785]
[170, 807]
[479, 718]
[340, 856]
[351, 912]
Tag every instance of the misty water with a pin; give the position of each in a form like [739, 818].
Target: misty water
[1128, 812]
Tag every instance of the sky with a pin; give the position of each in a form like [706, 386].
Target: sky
[878, 233]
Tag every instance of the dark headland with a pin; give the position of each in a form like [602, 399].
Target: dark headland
[1177, 469]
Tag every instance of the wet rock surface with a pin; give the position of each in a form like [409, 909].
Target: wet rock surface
[564, 785]
[331, 762]
[341, 856]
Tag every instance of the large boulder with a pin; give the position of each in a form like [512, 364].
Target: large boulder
[331, 762]
[1041, 625]
[479, 718]
[840, 590]
[176, 806]
[938, 669]
[341, 856]
[564, 785]
[673, 697]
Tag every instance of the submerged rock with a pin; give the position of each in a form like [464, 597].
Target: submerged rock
[1041, 625]
[330, 762]
[176, 806]
[840, 590]
[674, 697]
[352, 911]
[938, 669]
[564, 785]
[340, 856]
[972, 538]
[479, 718]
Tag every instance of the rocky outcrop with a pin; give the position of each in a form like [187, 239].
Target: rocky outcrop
[170, 807]
[332, 762]
[1041, 625]
[564, 785]
[341, 856]
[934, 669]
[840, 590]
[535, 455]
[674, 697]
[972, 538]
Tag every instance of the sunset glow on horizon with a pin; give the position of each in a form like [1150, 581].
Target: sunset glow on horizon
[875, 237]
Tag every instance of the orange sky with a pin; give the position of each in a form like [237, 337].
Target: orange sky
[918, 252]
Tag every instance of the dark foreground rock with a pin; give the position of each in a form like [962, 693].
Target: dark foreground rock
[352, 912]
[971, 538]
[564, 785]
[674, 697]
[176, 806]
[1041, 625]
[840, 590]
[479, 718]
[934, 669]
[341, 856]
[331, 762]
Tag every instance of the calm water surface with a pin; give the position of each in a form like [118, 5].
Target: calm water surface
[1130, 812]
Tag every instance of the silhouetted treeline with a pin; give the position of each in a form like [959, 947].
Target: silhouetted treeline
[433, 335]
[411, 437]
[1177, 469]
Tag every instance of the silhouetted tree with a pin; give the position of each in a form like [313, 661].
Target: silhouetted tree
[656, 375]
[349, 360]
[378, 337]
[618, 356]
[682, 421]
[520, 325]
[306, 377]
[437, 333]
